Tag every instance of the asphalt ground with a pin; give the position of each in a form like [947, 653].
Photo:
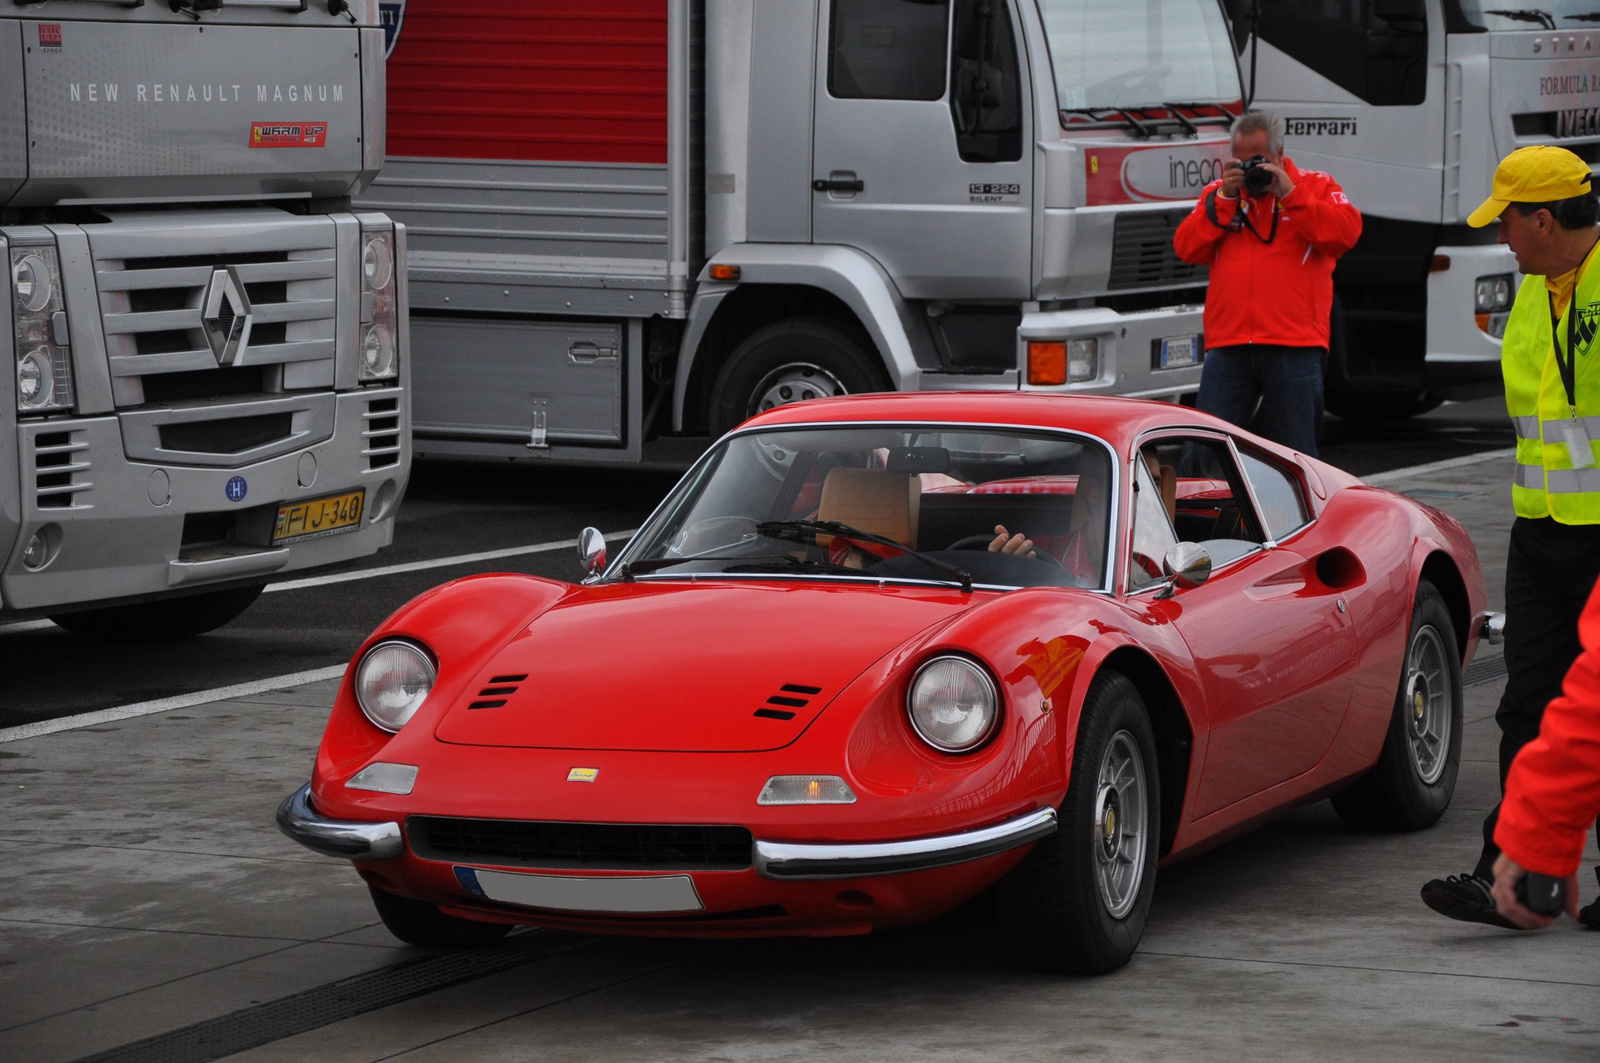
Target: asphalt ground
[456, 509]
[151, 912]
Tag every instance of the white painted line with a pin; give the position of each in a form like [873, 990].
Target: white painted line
[1439, 466]
[182, 701]
[437, 562]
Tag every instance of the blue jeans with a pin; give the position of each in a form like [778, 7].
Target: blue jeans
[1286, 380]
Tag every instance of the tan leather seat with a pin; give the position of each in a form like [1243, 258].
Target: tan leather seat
[873, 500]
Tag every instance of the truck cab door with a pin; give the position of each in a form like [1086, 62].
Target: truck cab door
[922, 144]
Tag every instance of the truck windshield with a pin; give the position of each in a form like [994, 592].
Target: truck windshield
[1139, 53]
[885, 502]
[1547, 15]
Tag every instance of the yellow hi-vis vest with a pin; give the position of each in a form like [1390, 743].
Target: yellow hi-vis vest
[1548, 483]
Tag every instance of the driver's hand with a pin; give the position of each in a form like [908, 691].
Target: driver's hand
[1006, 543]
[1232, 179]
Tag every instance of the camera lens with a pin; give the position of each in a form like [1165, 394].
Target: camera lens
[1257, 178]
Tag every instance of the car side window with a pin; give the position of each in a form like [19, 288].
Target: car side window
[888, 49]
[1283, 507]
[1208, 502]
[1152, 534]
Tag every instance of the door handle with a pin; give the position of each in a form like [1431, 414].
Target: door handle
[851, 183]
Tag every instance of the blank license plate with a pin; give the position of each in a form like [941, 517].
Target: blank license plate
[1178, 351]
[571, 893]
[320, 516]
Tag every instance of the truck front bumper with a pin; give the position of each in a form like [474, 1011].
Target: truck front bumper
[1127, 349]
[1462, 360]
[115, 530]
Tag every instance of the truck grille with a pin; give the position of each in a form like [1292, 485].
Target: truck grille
[153, 278]
[1142, 254]
[608, 846]
[61, 468]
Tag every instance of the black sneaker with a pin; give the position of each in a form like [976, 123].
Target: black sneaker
[1589, 914]
[1467, 898]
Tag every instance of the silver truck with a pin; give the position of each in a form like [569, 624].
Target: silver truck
[1410, 104]
[667, 215]
[208, 344]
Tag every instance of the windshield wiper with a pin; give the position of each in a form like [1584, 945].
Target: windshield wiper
[834, 527]
[1526, 14]
[774, 561]
[1588, 16]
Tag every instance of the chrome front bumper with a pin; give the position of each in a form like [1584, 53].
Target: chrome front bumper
[782, 860]
[1493, 630]
[351, 839]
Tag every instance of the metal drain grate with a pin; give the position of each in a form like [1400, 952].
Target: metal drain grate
[1484, 670]
[336, 1001]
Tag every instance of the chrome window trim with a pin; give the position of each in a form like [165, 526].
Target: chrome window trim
[1297, 482]
[1107, 585]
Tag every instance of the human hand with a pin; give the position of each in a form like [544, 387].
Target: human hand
[1006, 543]
[1232, 179]
[1507, 873]
[1281, 185]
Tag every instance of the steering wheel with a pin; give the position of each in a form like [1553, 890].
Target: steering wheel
[968, 542]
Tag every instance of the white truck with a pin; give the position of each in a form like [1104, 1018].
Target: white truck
[1410, 104]
[631, 217]
[207, 342]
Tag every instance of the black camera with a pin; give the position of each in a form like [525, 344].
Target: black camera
[1543, 894]
[1257, 178]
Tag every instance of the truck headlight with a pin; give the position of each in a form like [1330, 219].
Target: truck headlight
[44, 357]
[1492, 297]
[379, 307]
[953, 704]
[392, 681]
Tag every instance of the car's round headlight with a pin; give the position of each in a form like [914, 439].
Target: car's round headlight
[377, 352]
[377, 263]
[392, 681]
[953, 704]
[36, 380]
[31, 279]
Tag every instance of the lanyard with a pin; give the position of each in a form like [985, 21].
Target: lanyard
[1569, 366]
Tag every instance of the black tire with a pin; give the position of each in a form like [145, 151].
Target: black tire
[1051, 906]
[1375, 406]
[159, 621]
[822, 357]
[1408, 790]
[424, 925]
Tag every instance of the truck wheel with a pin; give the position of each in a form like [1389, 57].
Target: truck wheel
[424, 925]
[1077, 903]
[1410, 786]
[790, 361]
[1370, 407]
[173, 618]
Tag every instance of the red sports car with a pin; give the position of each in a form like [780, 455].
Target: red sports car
[874, 655]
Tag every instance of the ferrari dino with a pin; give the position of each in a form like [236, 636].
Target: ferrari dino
[875, 655]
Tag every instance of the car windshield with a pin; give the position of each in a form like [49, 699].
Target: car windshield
[1139, 53]
[888, 503]
[1548, 15]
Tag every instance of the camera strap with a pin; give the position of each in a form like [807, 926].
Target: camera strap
[1241, 218]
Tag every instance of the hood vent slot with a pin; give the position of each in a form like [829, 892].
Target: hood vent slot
[792, 696]
[498, 692]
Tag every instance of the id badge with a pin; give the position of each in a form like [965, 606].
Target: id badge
[1579, 453]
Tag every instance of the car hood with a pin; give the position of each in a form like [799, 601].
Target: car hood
[672, 667]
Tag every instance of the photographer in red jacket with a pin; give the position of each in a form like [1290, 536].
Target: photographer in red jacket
[1552, 794]
[1270, 233]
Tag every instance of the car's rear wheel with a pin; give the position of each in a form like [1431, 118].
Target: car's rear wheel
[1078, 902]
[1411, 785]
[168, 618]
[424, 925]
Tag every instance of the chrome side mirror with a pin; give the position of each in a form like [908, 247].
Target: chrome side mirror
[1186, 565]
[592, 551]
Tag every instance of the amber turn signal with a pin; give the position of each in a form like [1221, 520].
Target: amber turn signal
[723, 272]
[1047, 361]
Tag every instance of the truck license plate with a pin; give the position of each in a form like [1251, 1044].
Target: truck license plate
[1179, 351]
[320, 516]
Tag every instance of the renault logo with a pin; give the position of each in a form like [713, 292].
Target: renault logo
[225, 313]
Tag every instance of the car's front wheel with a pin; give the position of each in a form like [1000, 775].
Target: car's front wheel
[1411, 785]
[424, 925]
[1078, 902]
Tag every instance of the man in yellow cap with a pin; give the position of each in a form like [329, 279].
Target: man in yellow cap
[1550, 219]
